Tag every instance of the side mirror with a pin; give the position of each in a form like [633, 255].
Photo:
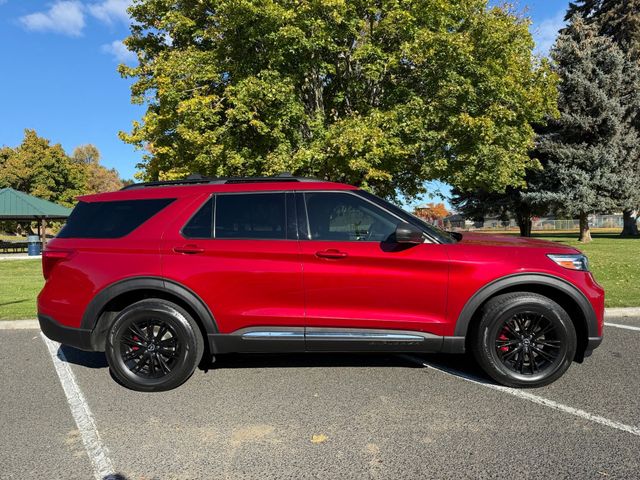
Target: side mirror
[407, 233]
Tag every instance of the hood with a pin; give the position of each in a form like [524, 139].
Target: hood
[512, 241]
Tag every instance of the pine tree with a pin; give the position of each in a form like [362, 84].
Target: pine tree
[620, 20]
[586, 149]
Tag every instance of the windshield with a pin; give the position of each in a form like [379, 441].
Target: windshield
[438, 235]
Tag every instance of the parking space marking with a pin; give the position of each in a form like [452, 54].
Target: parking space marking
[530, 397]
[97, 452]
[626, 327]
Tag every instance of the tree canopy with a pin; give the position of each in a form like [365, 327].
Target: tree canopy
[586, 149]
[382, 95]
[39, 168]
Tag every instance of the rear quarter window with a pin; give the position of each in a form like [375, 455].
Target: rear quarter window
[110, 219]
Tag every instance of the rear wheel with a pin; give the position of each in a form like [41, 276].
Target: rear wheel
[524, 340]
[153, 345]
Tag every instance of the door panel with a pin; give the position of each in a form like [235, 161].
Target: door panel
[370, 284]
[245, 282]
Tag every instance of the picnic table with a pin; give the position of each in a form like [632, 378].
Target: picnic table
[13, 247]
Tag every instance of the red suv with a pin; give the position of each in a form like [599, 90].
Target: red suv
[160, 274]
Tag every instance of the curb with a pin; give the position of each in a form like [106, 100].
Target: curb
[610, 313]
[18, 324]
[21, 257]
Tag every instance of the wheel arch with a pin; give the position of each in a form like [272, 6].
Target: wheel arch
[557, 289]
[102, 310]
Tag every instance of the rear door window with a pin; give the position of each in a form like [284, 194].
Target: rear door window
[251, 216]
[110, 219]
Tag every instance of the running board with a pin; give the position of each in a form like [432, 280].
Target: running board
[317, 339]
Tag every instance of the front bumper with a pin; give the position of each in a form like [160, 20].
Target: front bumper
[75, 337]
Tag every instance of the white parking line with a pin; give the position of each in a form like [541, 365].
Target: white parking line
[531, 397]
[626, 327]
[97, 452]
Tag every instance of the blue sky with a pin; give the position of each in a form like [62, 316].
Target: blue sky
[58, 72]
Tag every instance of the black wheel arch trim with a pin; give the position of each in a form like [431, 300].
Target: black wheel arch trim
[163, 285]
[510, 281]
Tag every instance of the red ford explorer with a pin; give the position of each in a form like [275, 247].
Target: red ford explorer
[159, 274]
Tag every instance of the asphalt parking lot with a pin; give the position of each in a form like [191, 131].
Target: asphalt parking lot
[318, 416]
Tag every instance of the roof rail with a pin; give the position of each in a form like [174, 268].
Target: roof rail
[196, 178]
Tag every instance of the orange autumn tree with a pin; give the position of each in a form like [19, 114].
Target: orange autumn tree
[432, 211]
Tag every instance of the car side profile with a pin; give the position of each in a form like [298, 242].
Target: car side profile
[162, 274]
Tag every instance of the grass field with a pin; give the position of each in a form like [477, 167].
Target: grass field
[20, 282]
[615, 263]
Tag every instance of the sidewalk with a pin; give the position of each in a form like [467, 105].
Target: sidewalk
[18, 256]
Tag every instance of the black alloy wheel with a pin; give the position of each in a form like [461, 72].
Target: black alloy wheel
[529, 343]
[150, 348]
[153, 345]
[524, 339]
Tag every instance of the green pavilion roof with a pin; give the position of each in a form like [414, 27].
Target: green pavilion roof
[16, 205]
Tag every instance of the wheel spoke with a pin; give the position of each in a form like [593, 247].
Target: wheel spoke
[132, 342]
[533, 363]
[161, 332]
[510, 354]
[169, 342]
[549, 328]
[137, 331]
[550, 343]
[163, 364]
[141, 363]
[506, 343]
[133, 354]
[543, 354]
[168, 352]
[519, 365]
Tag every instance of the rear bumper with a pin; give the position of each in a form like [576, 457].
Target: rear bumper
[75, 337]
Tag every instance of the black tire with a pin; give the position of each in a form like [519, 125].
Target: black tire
[153, 345]
[524, 340]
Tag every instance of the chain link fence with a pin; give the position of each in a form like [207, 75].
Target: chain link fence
[538, 224]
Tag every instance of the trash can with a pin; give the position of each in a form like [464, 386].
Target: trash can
[34, 247]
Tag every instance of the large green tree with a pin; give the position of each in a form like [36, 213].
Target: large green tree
[585, 150]
[384, 95]
[41, 169]
[620, 20]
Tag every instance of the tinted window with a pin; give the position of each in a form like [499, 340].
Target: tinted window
[110, 219]
[201, 224]
[346, 217]
[260, 215]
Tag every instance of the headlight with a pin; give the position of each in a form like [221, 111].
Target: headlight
[572, 262]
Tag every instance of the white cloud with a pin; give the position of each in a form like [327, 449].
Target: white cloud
[66, 17]
[110, 11]
[119, 52]
[546, 33]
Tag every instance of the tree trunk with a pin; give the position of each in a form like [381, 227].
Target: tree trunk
[585, 232]
[629, 227]
[525, 225]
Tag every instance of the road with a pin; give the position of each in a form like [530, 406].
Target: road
[318, 416]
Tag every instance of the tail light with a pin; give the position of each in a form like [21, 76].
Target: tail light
[50, 258]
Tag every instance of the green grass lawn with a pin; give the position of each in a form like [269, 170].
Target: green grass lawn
[615, 263]
[20, 282]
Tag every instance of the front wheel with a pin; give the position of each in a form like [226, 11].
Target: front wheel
[153, 345]
[524, 340]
